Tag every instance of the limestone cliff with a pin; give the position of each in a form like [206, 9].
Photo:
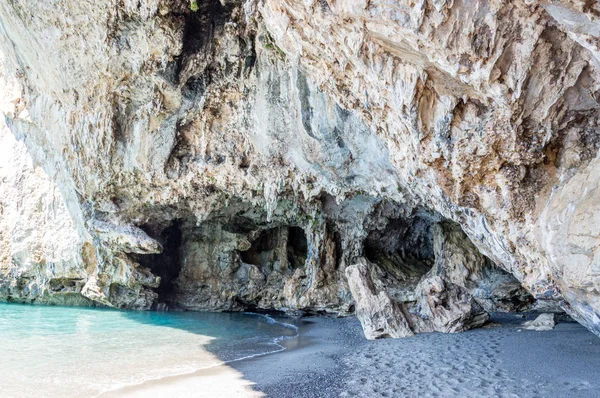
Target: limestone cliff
[419, 162]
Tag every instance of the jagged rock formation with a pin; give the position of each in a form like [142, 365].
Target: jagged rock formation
[417, 161]
[452, 296]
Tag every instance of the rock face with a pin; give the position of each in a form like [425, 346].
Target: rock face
[41, 253]
[452, 296]
[421, 162]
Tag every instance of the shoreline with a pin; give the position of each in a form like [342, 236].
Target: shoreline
[330, 358]
[312, 364]
[272, 369]
[217, 370]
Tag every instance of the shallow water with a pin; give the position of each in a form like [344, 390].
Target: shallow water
[59, 351]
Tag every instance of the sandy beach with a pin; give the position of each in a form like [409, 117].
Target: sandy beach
[330, 358]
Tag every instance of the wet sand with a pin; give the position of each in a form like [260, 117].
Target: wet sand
[330, 358]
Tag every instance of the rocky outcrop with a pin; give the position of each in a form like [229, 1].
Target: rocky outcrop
[379, 314]
[487, 110]
[456, 294]
[255, 154]
[542, 323]
[42, 257]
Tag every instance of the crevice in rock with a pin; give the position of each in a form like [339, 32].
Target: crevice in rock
[199, 31]
[339, 251]
[305, 106]
[297, 247]
[66, 285]
[167, 264]
[201, 26]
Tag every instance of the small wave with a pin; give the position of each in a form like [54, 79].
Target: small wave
[273, 321]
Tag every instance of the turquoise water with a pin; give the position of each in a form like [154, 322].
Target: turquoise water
[63, 352]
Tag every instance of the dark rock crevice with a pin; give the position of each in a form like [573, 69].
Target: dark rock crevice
[297, 247]
[199, 31]
[166, 264]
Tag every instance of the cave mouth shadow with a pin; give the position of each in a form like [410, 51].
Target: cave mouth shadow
[404, 250]
[283, 248]
[167, 264]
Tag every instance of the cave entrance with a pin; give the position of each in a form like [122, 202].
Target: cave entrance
[269, 245]
[403, 249]
[297, 247]
[406, 249]
[262, 247]
[167, 264]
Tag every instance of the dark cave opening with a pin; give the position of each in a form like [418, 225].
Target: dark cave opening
[202, 25]
[199, 31]
[403, 252]
[261, 249]
[167, 264]
[264, 248]
[404, 248]
[240, 224]
[297, 247]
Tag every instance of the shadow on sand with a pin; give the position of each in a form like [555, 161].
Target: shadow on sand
[236, 338]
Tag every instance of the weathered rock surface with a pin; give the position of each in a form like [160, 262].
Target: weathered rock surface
[244, 155]
[453, 296]
[542, 323]
[41, 253]
[379, 314]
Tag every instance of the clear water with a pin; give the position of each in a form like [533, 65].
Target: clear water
[67, 352]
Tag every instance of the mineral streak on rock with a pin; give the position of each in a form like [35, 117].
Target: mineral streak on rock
[422, 163]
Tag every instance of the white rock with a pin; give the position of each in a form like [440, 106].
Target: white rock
[542, 323]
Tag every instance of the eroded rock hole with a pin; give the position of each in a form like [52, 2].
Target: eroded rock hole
[297, 247]
[167, 264]
[66, 285]
[271, 244]
[404, 248]
[261, 249]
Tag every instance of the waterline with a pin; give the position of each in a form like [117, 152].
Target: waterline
[85, 352]
[277, 341]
